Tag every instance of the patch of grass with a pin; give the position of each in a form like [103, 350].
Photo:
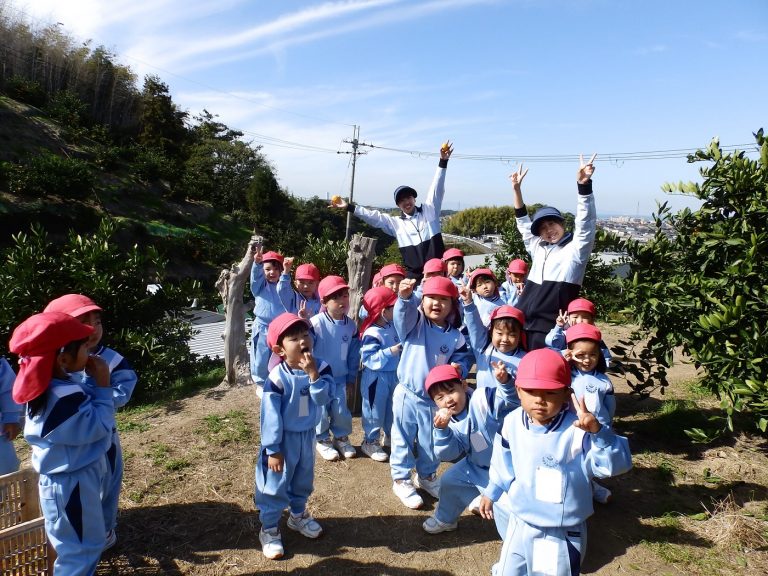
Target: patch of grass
[232, 427]
[672, 553]
[132, 426]
[186, 387]
[160, 454]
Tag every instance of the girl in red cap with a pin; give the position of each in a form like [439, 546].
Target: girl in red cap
[302, 298]
[454, 266]
[512, 288]
[580, 311]
[380, 353]
[10, 416]
[430, 338]
[590, 382]
[267, 267]
[483, 283]
[70, 431]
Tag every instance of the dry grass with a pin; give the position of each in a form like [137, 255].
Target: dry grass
[730, 527]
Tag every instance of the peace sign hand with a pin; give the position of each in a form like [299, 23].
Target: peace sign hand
[257, 254]
[562, 319]
[517, 177]
[465, 293]
[585, 420]
[500, 371]
[585, 172]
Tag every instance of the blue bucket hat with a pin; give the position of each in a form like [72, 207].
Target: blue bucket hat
[404, 191]
[545, 213]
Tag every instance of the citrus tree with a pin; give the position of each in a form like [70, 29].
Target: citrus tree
[701, 283]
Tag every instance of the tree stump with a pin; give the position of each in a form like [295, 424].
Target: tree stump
[231, 286]
[359, 265]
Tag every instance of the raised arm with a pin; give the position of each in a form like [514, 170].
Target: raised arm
[373, 217]
[406, 313]
[585, 222]
[437, 188]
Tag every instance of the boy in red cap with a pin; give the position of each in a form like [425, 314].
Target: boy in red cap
[465, 425]
[10, 418]
[122, 379]
[337, 343]
[483, 283]
[391, 276]
[544, 457]
[380, 353]
[559, 259]
[432, 268]
[589, 381]
[512, 288]
[70, 431]
[294, 392]
[417, 229]
[265, 274]
[580, 311]
[430, 338]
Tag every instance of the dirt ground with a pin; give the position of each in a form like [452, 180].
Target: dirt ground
[186, 506]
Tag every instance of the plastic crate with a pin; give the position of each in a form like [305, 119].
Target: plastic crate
[18, 498]
[24, 549]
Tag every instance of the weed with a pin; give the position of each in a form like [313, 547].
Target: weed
[228, 428]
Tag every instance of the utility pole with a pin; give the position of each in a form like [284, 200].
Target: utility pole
[355, 153]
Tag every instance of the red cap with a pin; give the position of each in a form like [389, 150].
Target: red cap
[581, 305]
[329, 285]
[307, 272]
[543, 369]
[480, 272]
[442, 373]
[434, 265]
[272, 257]
[73, 304]
[390, 269]
[439, 286]
[377, 279]
[37, 341]
[583, 331]
[375, 301]
[507, 311]
[517, 266]
[279, 325]
[452, 253]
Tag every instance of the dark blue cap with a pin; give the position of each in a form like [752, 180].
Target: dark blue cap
[545, 213]
[404, 191]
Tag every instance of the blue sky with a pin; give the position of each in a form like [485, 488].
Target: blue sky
[499, 78]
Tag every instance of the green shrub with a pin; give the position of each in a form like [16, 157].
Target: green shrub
[24, 90]
[150, 330]
[48, 174]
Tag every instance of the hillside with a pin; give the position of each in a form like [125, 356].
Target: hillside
[194, 236]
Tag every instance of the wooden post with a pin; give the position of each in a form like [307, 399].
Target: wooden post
[231, 285]
[359, 265]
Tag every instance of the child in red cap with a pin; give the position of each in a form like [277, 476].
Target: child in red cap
[486, 296]
[589, 381]
[302, 298]
[70, 431]
[454, 266]
[10, 418]
[544, 458]
[432, 268]
[512, 288]
[336, 342]
[294, 392]
[429, 334]
[465, 425]
[391, 276]
[122, 380]
[380, 353]
[265, 274]
[580, 311]
[558, 259]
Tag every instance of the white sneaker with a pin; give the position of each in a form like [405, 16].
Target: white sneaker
[435, 526]
[430, 485]
[260, 391]
[111, 540]
[404, 490]
[600, 493]
[343, 446]
[474, 506]
[374, 451]
[271, 543]
[305, 525]
[326, 450]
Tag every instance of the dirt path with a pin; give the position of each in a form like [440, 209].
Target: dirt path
[187, 501]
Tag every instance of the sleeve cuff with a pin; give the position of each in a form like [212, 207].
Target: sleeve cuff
[493, 492]
[443, 163]
[521, 212]
[585, 189]
[351, 207]
[603, 438]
